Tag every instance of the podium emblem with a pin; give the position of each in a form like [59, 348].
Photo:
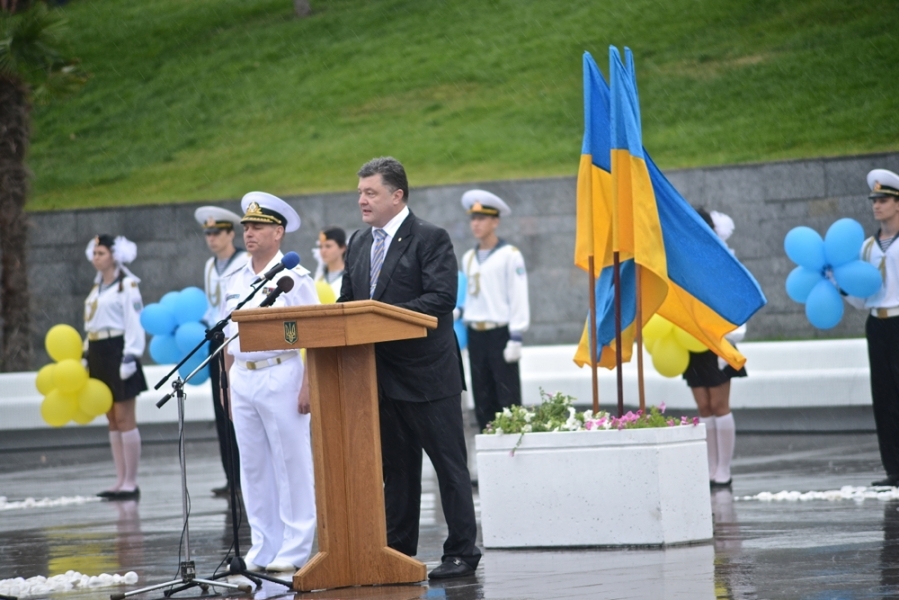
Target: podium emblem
[290, 332]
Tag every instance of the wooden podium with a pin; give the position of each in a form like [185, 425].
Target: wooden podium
[346, 435]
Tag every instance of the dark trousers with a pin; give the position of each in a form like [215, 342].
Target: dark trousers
[495, 383]
[223, 425]
[407, 428]
[883, 358]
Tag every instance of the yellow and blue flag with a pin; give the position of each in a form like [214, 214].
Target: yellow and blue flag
[625, 204]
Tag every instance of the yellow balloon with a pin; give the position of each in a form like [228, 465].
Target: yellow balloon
[82, 418]
[63, 342]
[69, 376]
[58, 408]
[688, 341]
[326, 293]
[95, 398]
[670, 358]
[44, 381]
[656, 328]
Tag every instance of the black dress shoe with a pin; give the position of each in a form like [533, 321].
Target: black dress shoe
[126, 495]
[717, 485]
[107, 493]
[889, 481]
[225, 490]
[452, 567]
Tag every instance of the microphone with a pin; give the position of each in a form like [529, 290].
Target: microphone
[285, 284]
[289, 261]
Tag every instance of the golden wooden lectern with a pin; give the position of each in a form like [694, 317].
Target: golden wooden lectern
[346, 437]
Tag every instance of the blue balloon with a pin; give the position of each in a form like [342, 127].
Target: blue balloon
[188, 335]
[462, 290]
[170, 300]
[164, 350]
[824, 307]
[193, 363]
[858, 278]
[157, 319]
[843, 241]
[190, 305]
[800, 282]
[461, 334]
[805, 248]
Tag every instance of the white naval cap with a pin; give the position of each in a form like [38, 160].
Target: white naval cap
[214, 218]
[883, 183]
[260, 207]
[482, 202]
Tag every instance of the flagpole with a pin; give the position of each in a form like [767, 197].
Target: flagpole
[639, 322]
[618, 371]
[594, 360]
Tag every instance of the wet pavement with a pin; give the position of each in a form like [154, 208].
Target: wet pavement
[816, 549]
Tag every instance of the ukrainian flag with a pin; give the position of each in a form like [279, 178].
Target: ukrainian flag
[625, 203]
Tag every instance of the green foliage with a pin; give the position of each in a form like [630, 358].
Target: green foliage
[32, 51]
[211, 98]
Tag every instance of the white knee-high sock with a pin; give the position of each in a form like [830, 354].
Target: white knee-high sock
[711, 444]
[727, 437]
[118, 458]
[131, 448]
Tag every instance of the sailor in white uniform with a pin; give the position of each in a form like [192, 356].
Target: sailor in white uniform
[270, 401]
[882, 326]
[496, 310]
[219, 229]
[115, 341]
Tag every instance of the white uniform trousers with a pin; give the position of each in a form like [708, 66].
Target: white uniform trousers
[275, 462]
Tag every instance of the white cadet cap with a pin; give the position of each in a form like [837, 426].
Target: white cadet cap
[213, 218]
[482, 202]
[883, 183]
[260, 207]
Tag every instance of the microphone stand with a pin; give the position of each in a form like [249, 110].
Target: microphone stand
[187, 568]
[237, 565]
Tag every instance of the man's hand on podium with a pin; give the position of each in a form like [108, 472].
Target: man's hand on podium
[304, 407]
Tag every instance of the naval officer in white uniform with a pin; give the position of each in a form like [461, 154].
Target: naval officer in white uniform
[496, 310]
[219, 229]
[882, 326]
[270, 401]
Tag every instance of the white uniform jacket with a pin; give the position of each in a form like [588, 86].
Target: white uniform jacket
[888, 264]
[238, 285]
[117, 307]
[214, 284]
[497, 288]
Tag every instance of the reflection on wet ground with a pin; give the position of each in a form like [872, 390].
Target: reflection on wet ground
[815, 549]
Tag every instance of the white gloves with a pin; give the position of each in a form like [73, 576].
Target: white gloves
[457, 312]
[127, 369]
[512, 351]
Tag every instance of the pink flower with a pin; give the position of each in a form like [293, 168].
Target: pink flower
[662, 408]
[588, 425]
[695, 421]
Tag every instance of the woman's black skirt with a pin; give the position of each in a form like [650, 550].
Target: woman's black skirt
[703, 371]
[103, 360]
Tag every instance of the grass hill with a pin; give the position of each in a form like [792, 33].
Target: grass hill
[208, 99]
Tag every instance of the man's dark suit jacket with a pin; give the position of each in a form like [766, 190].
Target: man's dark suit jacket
[419, 273]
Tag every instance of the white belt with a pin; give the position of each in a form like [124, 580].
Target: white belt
[485, 325]
[255, 365]
[885, 313]
[103, 334]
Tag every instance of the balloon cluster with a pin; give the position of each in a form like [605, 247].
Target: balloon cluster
[174, 323]
[669, 346]
[826, 267]
[69, 393]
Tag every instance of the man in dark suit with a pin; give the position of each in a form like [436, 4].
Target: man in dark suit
[410, 263]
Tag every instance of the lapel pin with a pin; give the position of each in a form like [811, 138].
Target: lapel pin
[399, 239]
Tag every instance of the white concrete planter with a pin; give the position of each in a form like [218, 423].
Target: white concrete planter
[595, 488]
